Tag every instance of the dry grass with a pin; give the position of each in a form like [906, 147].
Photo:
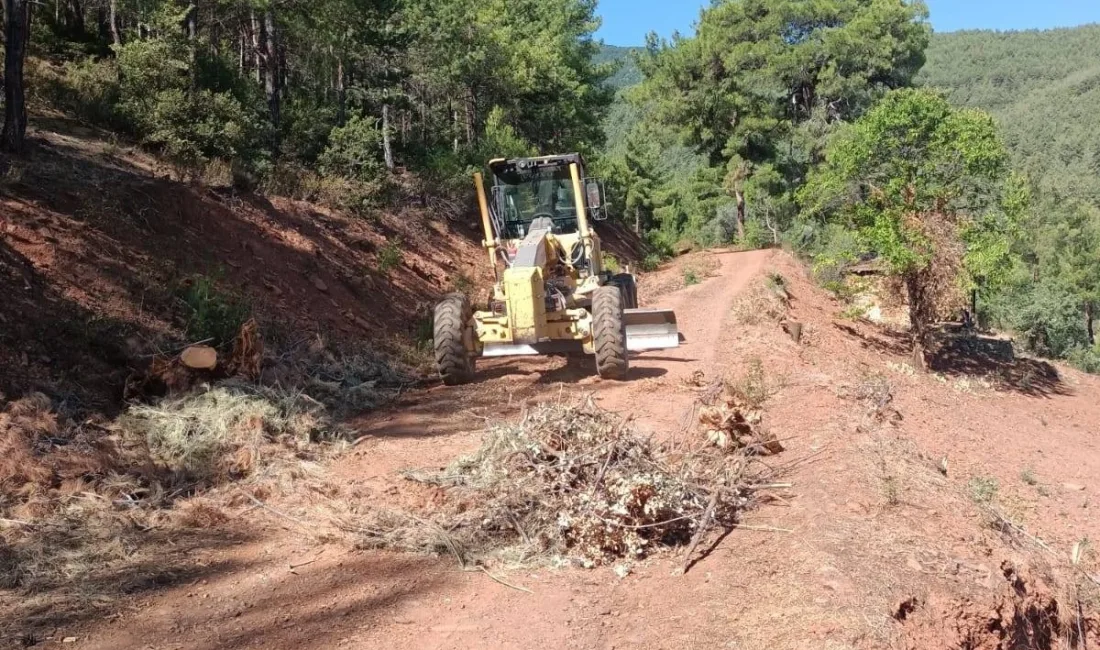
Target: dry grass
[77, 504]
[570, 484]
[767, 301]
[752, 387]
[876, 393]
[208, 437]
[232, 430]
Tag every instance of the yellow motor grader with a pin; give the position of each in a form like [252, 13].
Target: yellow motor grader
[553, 294]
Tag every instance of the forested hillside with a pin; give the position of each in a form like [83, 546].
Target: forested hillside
[322, 93]
[626, 73]
[712, 138]
[1043, 87]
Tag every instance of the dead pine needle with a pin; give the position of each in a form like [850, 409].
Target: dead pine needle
[279, 513]
[503, 582]
[765, 529]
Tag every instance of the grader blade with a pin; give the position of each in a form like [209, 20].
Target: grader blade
[651, 329]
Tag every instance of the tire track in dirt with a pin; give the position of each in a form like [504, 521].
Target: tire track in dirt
[703, 312]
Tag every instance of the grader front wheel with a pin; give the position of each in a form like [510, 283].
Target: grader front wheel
[452, 358]
[629, 287]
[609, 332]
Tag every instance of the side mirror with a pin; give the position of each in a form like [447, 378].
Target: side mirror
[595, 195]
[596, 205]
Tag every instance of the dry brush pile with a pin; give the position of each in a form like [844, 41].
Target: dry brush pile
[571, 483]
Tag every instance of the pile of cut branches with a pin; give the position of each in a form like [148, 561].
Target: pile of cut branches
[570, 483]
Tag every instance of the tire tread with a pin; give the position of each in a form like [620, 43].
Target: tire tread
[609, 332]
[453, 360]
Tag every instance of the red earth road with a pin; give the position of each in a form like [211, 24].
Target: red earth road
[872, 518]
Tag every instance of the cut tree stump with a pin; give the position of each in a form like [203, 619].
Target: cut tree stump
[200, 357]
[793, 329]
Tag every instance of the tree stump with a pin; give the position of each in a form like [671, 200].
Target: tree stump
[793, 329]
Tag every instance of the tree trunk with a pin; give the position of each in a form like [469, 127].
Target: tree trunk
[17, 22]
[740, 196]
[918, 318]
[771, 227]
[637, 221]
[74, 19]
[281, 67]
[116, 34]
[471, 119]
[241, 53]
[191, 23]
[269, 60]
[341, 94]
[454, 121]
[257, 48]
[102, 25]
[1090, 316]
[387, 148]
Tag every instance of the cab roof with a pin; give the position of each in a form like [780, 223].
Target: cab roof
[501, 166]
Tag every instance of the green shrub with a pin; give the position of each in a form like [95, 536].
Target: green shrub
[357, 197]
[306, 125]
[390, 255]
[462, 283]
[611, 263]
[691, 277]
[500, 139]
[424, 331]
[354, 151]
[833, 248]
[1046, 316]
[651, 262]
[194, 127]
[983, 489]
[87, 88]
[1085, 359]
[723, 229]
[213, 315]
[757, 236]
[222, 117]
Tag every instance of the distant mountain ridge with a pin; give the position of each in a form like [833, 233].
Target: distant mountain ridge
[628, 74]
[1044, 89]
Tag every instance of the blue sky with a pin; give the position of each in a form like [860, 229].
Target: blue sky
[626, 22]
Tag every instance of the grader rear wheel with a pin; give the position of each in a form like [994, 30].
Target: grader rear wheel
[452, 358]
[609, 332]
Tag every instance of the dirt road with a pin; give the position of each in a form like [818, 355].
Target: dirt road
[872, 520]
[350, 599]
